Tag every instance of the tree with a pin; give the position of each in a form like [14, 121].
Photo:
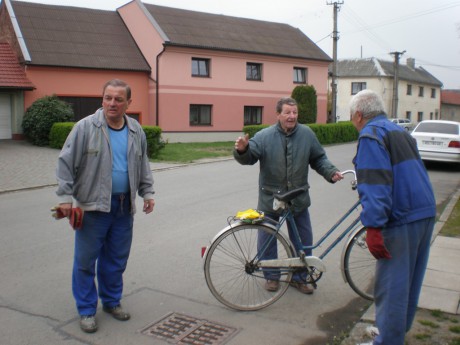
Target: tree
[40, 117]
[306, 102]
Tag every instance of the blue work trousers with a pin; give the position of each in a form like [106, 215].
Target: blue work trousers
[104, 240]
[399, 279]
[303, 224]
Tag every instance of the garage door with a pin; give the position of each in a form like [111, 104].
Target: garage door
[5, 117]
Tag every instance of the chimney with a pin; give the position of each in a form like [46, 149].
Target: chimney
[410, 63]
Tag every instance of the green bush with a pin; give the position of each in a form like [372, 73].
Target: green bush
[305, 95]
[253, 129]
[331, 133]
[40, 117]
[59, 133]
[155, 143]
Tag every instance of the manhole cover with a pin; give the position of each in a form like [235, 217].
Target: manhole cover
[183, 329]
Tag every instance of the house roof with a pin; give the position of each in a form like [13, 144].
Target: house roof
[213, 31]
[373, 67]
[77, 37]
[12, 74]
[450, 97]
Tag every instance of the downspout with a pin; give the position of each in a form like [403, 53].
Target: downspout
[157, 89]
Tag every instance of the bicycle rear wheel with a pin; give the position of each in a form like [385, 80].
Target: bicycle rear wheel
[231, 270]
[359, 266]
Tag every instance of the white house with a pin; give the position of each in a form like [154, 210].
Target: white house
[419, 93]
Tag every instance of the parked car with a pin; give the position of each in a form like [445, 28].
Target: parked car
[438, 140]
[405, 123]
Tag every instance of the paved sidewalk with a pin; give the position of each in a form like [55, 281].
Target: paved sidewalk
[24, 166]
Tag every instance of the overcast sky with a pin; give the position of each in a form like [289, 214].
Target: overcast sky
[429, 31]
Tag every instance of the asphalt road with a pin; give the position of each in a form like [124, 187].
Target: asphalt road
[165, 273]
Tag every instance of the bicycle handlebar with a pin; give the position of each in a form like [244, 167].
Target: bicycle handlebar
[354, 183]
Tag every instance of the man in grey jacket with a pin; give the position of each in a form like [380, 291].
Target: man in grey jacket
[285, 152]
[101, 167]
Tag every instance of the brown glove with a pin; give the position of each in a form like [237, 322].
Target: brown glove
[75, 219]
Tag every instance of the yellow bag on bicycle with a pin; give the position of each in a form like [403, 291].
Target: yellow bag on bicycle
[250, 216]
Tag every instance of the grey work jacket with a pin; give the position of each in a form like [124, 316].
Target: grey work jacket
[284, 162]
[84, 169]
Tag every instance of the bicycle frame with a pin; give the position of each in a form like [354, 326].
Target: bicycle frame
[315, 261]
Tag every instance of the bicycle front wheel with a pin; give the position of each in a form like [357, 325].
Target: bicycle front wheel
[231, 270]
[359, 266]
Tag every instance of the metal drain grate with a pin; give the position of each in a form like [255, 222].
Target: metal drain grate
[186, 330]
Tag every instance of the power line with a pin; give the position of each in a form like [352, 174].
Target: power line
[408, 17]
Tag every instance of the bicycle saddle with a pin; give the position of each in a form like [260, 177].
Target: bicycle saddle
[288, 196]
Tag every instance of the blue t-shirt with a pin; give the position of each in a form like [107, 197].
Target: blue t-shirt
[119, 144]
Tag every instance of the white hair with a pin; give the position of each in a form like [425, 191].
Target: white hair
[367, 102]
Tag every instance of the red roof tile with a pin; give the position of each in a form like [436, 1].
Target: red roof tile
[11, 73]
[450, 97]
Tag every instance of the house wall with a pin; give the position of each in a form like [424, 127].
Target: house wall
[430, 107]
[87, 83]
[450, 112]
[227, 89]
[379, 85]
[384, 87]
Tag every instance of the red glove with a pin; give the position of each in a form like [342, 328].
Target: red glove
[374, 240]
[75, 218]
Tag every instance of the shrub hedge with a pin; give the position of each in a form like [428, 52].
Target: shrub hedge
[60, 131]
[331, 133]
[40, 117]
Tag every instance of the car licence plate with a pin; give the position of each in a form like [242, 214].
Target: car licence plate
[432, 143]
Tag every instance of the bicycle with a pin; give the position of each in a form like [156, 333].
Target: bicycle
[236, 273]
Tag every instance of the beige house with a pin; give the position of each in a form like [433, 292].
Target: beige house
[419, 93]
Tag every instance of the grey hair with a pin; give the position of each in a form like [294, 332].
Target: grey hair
[283, 101]
[118, 83]
[367, 102]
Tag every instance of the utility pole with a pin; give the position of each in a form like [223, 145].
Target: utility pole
[335, 38]
[394, 105]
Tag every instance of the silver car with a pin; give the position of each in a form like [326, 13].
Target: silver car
[404, 123]
[438, 140]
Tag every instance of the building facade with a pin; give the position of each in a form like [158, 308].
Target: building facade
[418, 96]
[199, 76]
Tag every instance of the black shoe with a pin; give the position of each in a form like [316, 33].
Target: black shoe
[117, 312]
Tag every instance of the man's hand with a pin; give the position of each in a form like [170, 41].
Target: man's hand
[66, 209]
[374, 240]
[241, 143]
[337, 176]
[148, 205]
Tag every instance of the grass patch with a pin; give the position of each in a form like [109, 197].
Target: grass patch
[455, 341]
[191, 152]
[452, 227]
[454, 329]
[422, 336]
[428, 323]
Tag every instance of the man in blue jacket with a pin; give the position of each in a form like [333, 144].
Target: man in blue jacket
[398, 210]
[285, 152]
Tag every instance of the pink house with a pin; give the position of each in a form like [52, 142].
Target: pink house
[199, 76]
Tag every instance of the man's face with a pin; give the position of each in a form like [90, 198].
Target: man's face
[357, 120]
[288, 117]
[115, 102]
